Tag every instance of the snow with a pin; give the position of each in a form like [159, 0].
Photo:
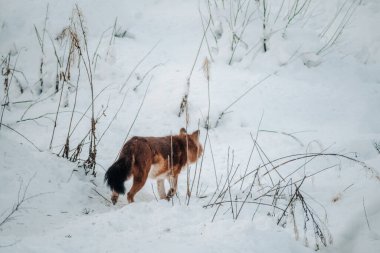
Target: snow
[310, 102]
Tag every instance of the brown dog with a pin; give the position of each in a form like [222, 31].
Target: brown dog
[157, 157]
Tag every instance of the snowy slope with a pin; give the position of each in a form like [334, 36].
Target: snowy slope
[310, 101]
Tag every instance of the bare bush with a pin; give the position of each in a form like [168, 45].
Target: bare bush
[22, 198]
[281, 195]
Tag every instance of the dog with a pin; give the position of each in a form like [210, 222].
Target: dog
[158, 158]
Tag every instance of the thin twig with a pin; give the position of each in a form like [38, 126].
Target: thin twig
[113, 118]
[185, 98]
[366, 217]
[101, 195]
[137, 114]
[290, 201]
[286, 134]
[239, 201]
[224, 111]
[213, 163]
[252, 150]
[10, 128]
[146, 74]
[138, 64]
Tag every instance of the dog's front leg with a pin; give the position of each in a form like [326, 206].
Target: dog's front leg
[114, 197]
[161, 188]
[173, 186]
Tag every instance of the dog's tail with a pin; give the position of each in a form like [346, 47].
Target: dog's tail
[117, 174]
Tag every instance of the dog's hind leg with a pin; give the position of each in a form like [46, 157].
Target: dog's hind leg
[142, 162]
[140, 174]
[138, 183]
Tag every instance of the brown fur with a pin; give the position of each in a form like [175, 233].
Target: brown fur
[155, 157]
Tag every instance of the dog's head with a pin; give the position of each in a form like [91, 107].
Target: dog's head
[195, 148]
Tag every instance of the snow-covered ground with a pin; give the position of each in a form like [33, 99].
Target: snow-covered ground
[320, 95]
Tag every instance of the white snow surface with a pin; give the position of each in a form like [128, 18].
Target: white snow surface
[314, 99]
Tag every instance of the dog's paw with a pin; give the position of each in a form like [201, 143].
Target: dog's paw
[170, 194]
[114, 199]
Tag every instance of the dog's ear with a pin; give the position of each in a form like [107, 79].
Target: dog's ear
[195, 134]
[182, 131]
